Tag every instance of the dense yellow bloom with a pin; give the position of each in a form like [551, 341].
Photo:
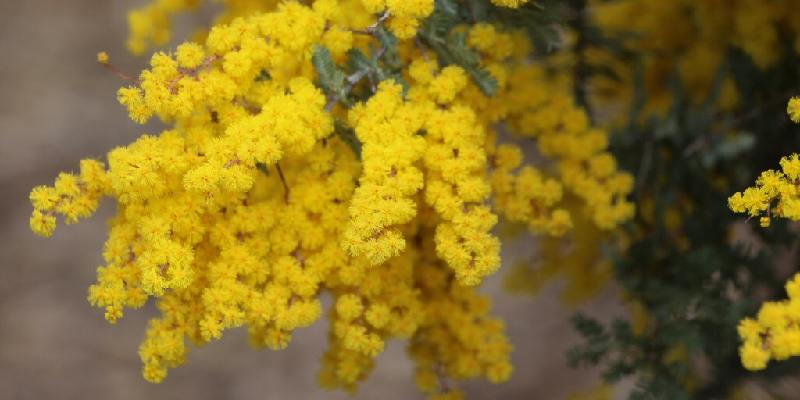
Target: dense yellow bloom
[256, 201]
[456, 183]
[377, 305]
[533, 105]
[774, 334]
[528, 197]
[387, 128]
[457, 335]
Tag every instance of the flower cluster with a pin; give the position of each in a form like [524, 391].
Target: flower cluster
[457, 334]
[456, 183]
[793, 109]
[775, 194]
[73, 196]
[387, 128]
[282, 178]
[404, 15]
[775, 333]
[584, 166]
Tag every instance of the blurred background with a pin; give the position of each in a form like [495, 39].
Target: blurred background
[57, 106]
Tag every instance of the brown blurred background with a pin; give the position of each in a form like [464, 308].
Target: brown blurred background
[57, 105]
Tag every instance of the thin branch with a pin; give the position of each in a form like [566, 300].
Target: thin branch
[352, 80]
[581, 71]
[118, 72]
[283, 181]
[370, 30]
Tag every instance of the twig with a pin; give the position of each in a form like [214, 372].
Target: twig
[370, 30]
[380, 20]
[704, 139]
[644, 168]
[118, 72]
[421, 47]
[352, 80]
[468, 4]
[283, 181]
[581, 72]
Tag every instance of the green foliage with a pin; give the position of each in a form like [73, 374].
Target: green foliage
[542, 20]
[441, 35]
[331, 78]
[450, 44]
[349, 136]
[694, 284]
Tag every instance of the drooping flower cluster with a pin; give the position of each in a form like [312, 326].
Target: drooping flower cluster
[384, 200]
[282, 178]
[457, 334]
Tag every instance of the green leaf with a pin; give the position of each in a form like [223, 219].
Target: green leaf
[263, 168]
[331, 78]
[451, 45]
[470, 60]
[389, 55]
[263, 76]
[358, 61]
[348, 135]
[542, 19]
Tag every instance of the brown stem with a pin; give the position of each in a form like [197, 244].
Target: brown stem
[117, 72]
[283, 181]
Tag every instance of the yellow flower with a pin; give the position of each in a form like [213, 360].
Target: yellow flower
[102, 57]
[387, 128]
[257, 198]
[793, 109]
[190, 55]
[754, 357]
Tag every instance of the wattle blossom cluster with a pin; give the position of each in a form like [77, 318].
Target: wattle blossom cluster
[775, 333]
[387, 128]
[775, 194]
[282, 178]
